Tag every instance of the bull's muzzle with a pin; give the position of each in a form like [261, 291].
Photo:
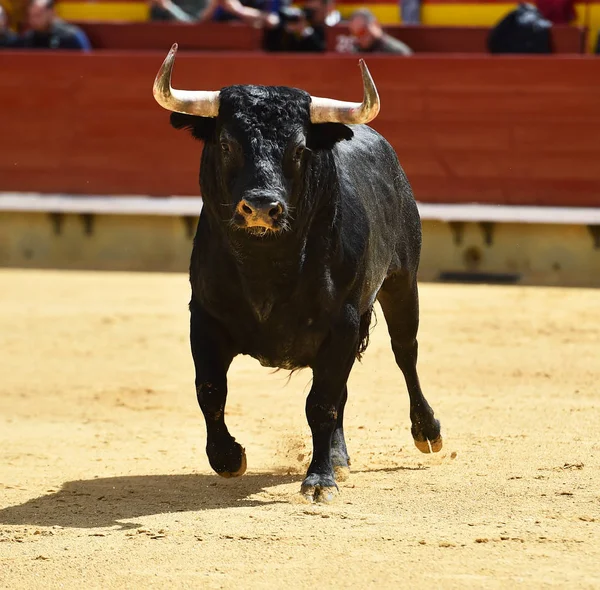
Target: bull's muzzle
[261, 211]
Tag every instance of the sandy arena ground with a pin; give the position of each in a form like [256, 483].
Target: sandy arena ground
[104, 482]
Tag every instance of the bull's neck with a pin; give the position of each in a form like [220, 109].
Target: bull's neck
[277, 258]
[268, 271]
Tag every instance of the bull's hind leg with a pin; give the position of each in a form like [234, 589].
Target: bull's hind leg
[212, 355]
[400, 303]
[339, 453]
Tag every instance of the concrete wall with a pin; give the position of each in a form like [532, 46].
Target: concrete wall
[525, 253]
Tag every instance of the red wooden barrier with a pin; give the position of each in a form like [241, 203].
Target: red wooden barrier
[161, 35]
[519, 130]
[431, 39]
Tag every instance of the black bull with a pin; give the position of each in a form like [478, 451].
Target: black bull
[303, 227]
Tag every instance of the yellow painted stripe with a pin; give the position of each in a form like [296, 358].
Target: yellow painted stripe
[387, 14]
[105, 11]
[464, 14]
[589, 17]
[437, 14]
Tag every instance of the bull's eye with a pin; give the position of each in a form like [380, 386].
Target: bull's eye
[225, 149]
[298, 152]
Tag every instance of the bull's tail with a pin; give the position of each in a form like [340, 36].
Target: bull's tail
[364, 331]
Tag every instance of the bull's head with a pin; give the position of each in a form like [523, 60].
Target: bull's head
[259, 143]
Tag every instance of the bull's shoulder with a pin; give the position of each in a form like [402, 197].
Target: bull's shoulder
[366, 148]
[365, 136]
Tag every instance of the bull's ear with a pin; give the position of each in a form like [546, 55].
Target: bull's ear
[202, 128]
[323, 136]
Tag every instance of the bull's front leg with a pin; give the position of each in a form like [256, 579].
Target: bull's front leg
[212, 352]
[330, 374]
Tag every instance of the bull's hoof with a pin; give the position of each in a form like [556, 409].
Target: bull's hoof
[427, 434]
[341, 472]
[227, 461]
[240, 471]
[430, 446]
[319, 488]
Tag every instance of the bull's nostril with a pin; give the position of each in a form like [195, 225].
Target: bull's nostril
[247, 210]
[275, 209]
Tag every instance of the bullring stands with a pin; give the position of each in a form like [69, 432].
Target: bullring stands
[439, 13]
[238, 37]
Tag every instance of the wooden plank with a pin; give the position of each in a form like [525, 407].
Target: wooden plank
[161, 35]
[506, 130]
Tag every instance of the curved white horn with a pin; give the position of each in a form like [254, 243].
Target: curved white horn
[190, 102]
[328, 110]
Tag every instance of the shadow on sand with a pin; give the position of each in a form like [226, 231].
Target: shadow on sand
[105, 502]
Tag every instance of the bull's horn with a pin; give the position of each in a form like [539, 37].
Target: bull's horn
[327, 110]
[190, 102]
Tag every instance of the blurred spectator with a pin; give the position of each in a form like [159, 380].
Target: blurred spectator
[558, 12]
[294, 33]
[410, 12]
[522, 30]
[48, 31]
[322, 13]
[368, 36]
[253, 12]
[301, 29]
[188, 11]
[15, 12]
[8, 38]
